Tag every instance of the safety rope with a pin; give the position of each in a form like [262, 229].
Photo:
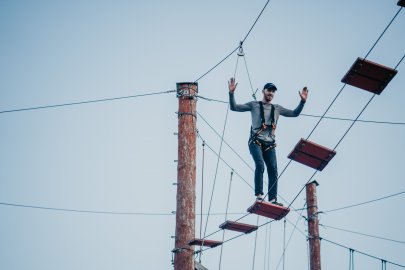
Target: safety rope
[86, 102]
[216, 173]
[386, 28]
[268, 257]
[226, 143]
[292, 233]
[362, 253]
[383, 265]
[351, 259]
[239, 54]
[284, 247]
[250, 81]
[219, 158]
[267, 247]
[234, 50]
[202, 194]
[254, 250]
[308, 255]
[226, 217]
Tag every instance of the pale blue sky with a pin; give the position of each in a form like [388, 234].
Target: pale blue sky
[117, 156]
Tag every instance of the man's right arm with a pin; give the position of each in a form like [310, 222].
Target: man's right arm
[237, 107]
[232, 103]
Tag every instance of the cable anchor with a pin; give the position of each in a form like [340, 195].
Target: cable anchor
[240, 52]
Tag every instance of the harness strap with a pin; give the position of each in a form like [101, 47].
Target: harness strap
[262, 115]
[273, 122]
[263, 122]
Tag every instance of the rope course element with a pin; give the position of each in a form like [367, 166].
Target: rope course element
[284, 248]
[240, 48]
[383, 265]
[216, 173]
[341, 139]
[314, 172]
[400, 61]
[226, 143]
[255, 245]
[340, 91]
[321, 118]
[364, 234]
[330, 117]
[386, 28]
[226, 163]
[226, 216]
[103, 212]
[258, 17]
[330, 105]
[242, 54]
[267, 247]
[291, 235]
[237, 48]
[202, 191]
[362, 203]
[352, 120]
[362, 253]
[259, 226]
[86, 102]
[85, 211]
[351, 259]
[250, 81]
[211, 99]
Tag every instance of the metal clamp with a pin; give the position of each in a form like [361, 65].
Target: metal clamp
[186, 113]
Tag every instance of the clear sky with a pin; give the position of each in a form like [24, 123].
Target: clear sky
[118, 156]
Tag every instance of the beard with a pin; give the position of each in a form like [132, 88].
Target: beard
[268, 98]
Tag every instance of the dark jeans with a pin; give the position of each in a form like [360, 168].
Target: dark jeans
[261, 158]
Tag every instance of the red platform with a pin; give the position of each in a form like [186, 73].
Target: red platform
[401, 3]
[268, 209]
[239, 227]
[369, 76]
[205, 243]
[311, 154]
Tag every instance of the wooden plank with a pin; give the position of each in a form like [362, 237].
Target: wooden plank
[204, 242]
[237, 226]
[311, 154]
[268, 209]
[369, 76]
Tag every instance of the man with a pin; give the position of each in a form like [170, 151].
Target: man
[262, 142]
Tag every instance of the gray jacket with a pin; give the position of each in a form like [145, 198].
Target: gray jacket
[254, 108]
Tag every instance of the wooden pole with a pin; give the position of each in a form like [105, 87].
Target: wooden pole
[186, 176]
[313, 227]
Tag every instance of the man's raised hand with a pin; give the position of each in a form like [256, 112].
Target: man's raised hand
[304, 94]
[232, 85]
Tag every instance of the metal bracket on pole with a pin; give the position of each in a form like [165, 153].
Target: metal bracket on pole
[186, 113]
[186, 90]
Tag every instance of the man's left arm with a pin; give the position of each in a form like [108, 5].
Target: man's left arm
[294, 113]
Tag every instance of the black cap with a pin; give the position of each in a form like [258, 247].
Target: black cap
[270, 86]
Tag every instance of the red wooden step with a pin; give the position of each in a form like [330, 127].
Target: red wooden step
[311, 154]
[369, 76]
[239, 227]
[268, 209]
[204, 242]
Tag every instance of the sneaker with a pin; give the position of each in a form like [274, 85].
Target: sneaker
[277, 203]
[259, 198]
[274, 201]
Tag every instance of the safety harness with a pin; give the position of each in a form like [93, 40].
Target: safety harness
[254, 138]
